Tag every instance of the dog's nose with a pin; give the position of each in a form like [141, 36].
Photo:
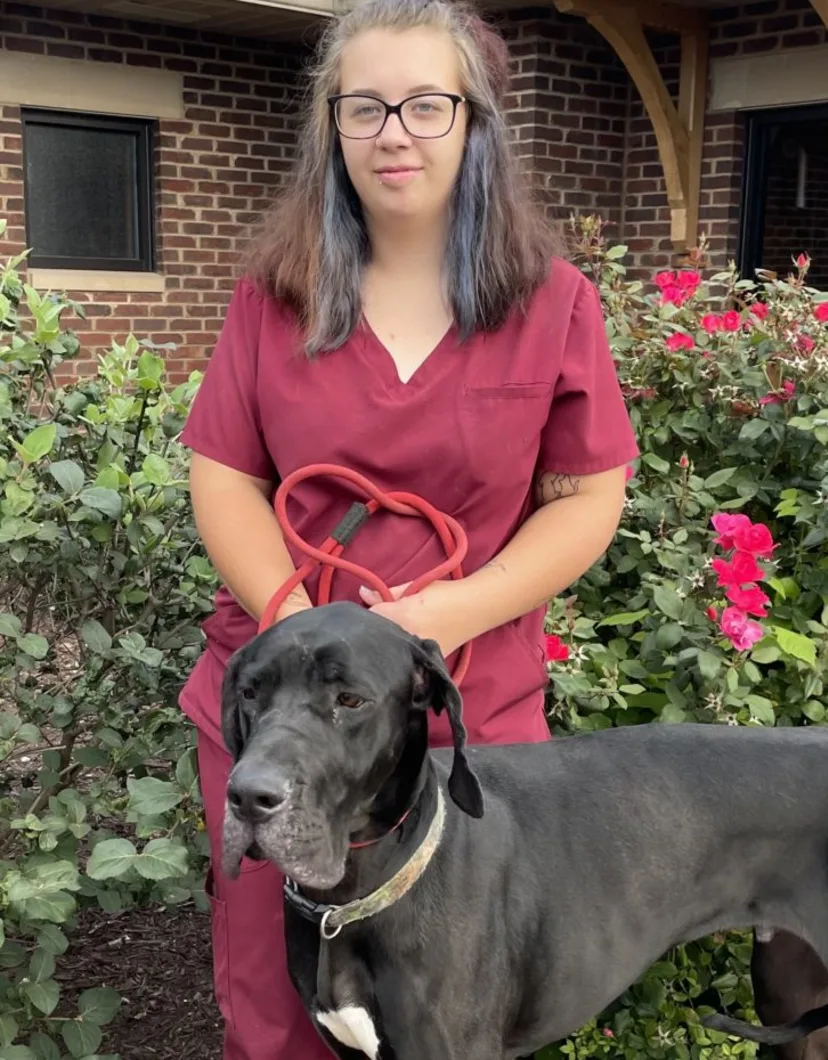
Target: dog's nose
[254, 795]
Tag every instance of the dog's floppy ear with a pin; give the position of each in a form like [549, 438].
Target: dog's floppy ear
[434, 687]
[233, 723]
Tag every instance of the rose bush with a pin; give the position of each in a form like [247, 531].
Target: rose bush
[712, 603]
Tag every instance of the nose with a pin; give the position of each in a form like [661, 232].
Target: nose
[255, 794]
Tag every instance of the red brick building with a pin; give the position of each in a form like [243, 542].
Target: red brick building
[139, 139]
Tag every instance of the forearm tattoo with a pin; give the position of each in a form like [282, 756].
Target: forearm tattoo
[552, 486]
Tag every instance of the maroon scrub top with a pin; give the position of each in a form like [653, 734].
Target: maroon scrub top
[468, 432]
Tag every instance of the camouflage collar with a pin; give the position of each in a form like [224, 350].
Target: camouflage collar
[333, 918]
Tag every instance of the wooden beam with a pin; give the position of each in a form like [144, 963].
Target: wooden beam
[679, 130]
[691, 109]
[821, 8]
[654, 13]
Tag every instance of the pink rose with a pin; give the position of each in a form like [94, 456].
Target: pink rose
[556, 650]
[803, 262]
[821, 313]
[731, 321]
[760, 310]
[711, 322]
[750, 600]
[779, 396]
[755, 540]
[673, 296]
[712, 613]
[665, 279]
[742, 570]
[739, 629]
[726, 523]
[680, 341]
[689, 280]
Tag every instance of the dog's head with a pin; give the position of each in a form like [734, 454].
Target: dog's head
[316, 713]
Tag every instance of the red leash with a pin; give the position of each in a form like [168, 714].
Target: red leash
[329, 554]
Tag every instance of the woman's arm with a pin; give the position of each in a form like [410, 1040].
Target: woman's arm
[242, 536]
[569, 532]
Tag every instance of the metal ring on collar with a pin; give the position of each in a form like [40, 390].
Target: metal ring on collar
[325, 931]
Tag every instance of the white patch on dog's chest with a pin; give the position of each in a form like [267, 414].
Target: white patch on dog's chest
[353, 1026]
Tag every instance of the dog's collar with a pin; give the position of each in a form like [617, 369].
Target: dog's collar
[333, 918]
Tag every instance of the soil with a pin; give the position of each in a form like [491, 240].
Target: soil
[160, 963]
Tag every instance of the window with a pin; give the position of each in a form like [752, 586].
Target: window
[785, 200]
[88, 191]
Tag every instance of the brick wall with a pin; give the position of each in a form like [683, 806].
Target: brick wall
[215, 168]
[568, 110]
[745, 29]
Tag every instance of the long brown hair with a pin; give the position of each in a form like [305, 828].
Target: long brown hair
[314, 245]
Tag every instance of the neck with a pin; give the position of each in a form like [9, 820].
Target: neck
[407, 246]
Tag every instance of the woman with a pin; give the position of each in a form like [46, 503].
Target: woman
[403, 314]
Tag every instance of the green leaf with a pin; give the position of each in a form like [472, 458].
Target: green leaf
[100, 1005]
[41, 966]
[672, 714]
[162, 859]
[107, 502]
[37, 443]
[156, 470]
[795, 644]
[44, 1046]
[186, 770]
[668, 601]
[10, 625]
[753, 429]
[44, 996]
[35, 645]
[81, 1039]
[95, 637]
[625, 618]
[657, 463]
[148, 795]
[814, 710]
[56, 907]
[8, 1030]
[710, 665]
[719, 478]
[51, 938]
[761, 709]
[111, 858]
[17, 1052]
[618, 250]
[68, 475]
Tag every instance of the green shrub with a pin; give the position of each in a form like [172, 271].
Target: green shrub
[727, 384]
[102, 586]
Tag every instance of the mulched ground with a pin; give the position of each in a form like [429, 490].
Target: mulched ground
[160, 962]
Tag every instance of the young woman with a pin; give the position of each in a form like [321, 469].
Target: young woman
[404, 314]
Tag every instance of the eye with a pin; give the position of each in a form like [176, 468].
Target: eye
[248, 693]
[348, 699]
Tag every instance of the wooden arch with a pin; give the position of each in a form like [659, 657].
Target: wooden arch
[679, 130]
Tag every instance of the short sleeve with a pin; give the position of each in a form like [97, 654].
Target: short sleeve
[224, 422]
[588, 429]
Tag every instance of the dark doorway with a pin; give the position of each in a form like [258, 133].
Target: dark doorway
[785, 194]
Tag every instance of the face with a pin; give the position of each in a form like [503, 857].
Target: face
[317, 712]
[395, 173]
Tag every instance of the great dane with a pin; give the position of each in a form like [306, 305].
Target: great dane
[482, 902]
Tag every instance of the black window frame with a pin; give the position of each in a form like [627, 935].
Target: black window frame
[759, 129]
[144, 130]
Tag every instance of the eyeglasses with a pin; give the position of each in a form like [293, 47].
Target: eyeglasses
[426, 116]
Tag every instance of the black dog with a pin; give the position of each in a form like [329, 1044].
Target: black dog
[490, 935]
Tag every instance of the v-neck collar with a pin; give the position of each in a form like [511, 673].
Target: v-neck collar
[385, 366]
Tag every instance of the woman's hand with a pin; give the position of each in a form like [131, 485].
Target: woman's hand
[432, 614]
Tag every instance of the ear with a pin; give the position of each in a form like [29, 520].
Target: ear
[434, 687]
[233, 724]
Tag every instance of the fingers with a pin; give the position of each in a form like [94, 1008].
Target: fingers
[371, 597]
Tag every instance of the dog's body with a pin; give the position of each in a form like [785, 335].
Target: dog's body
[594, 855]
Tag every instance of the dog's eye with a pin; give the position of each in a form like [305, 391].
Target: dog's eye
[348, 699]
[248, 693]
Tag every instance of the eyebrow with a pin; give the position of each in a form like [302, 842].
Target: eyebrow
[411, 92]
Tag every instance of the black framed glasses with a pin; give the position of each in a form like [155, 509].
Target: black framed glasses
[425, 116]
